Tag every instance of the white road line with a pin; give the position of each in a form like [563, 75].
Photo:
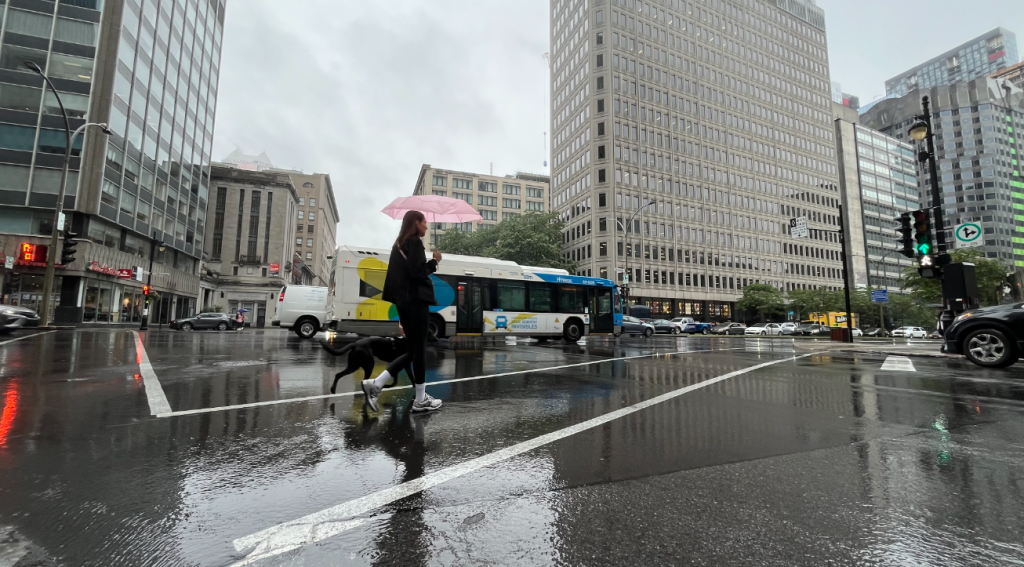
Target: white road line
[898, 364]
[27, 336]
[337, 519]
[452, 381]
[154, 391]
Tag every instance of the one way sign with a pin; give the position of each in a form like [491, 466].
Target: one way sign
[968, 235]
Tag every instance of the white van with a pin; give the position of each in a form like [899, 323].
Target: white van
[302, 308]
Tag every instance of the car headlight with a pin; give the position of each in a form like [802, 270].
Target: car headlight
[963, 316]
[8, 312]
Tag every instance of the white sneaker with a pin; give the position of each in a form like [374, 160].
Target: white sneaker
[428, 404]
[371, 392]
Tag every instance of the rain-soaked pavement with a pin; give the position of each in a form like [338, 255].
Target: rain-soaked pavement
[217, 449]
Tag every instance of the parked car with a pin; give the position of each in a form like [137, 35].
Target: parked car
[788, 328]
[666, 326]
[992, 336]
[876, 332]
[857, 332]
[633, 326]
[910, 332]
[695, 327]
[683, 321]
[302, 308]
[218, 321]
[729, 329]
[764, 329]
[15, 317]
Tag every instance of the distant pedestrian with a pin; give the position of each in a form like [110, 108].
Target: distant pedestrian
[408, 285]
[239, 320]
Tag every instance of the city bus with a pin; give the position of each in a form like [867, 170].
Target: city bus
[475, 296]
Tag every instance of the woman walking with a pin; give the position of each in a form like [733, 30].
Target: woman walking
[407, 285]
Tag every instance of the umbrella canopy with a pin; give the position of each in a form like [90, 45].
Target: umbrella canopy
[435, 208]
[243, 310]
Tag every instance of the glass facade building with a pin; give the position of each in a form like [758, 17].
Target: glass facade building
[979, 57]
[148, 68]
[686, 134]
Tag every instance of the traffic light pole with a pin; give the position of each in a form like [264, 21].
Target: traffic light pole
[149, 282]
[846, 278]
[940, 234]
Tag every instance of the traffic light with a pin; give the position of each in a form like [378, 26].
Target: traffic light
[145, 291]
[28, 252]
[906, 230]
[923, 233]
[67, 253]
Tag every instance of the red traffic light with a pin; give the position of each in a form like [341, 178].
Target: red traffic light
[28, 252]
[145, 290]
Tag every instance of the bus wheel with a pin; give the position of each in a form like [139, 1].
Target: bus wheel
[436, 327]
[572, 331]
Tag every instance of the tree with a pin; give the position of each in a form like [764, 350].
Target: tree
[905, 309]
[762, 298]
[533, 239]
[821, 300]
[991, 277]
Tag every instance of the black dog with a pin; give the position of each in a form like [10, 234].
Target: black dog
[361, 354]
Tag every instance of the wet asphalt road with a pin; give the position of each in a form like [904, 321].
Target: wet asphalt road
[614, 453]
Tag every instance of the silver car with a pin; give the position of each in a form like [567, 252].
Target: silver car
[14, 317]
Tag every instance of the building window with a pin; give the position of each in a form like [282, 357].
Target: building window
[600, 128]
[487, 187]
[600, 83]
[600, 105]
[312, 216]
[600, 38]
[600, 60]
[467, 197]
[603, 248]
[489, 215]
[440, 181]
[440, 193]
[309, 229]
[462, 183]
[602, 200]
[534, 206]
[510, 189]
[298, 228]
[600, 152]
[309, 255]
[601, 178]
[511, 203]
[302, 215]
[298, 241]
[308, 185]
[312, 201]
[602, 224]
[309, 242]
[485, 201]
[302, 201]
[535, 192]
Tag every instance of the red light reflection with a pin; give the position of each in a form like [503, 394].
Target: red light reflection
[8, 411]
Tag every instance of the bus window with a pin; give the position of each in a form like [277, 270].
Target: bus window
[571, 299]
[540, 298]
[371, 282]
[511, 296]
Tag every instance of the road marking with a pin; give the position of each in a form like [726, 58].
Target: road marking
[154, 391]
[898, 364]
[27, 336]
[170, 413]
[332, 521]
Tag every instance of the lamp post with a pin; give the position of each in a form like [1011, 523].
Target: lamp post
[630, 223]
[51, 256]
[149, 281]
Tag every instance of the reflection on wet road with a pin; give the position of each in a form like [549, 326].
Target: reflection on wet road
[703, 451]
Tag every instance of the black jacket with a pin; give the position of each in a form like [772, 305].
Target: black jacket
[408, 277]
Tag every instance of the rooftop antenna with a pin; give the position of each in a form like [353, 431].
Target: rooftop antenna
[492, 169]
[545, 149]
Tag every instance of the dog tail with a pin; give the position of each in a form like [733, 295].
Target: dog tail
[335, 351]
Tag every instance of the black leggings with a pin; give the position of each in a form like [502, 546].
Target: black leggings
[414, 318]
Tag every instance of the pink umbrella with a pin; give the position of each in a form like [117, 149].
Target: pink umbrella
[435, 208]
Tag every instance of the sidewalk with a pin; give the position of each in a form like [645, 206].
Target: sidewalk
[923, 348]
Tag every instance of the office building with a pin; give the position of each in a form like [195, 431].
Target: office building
[249, 250]
[316, 227]
[977, 150]
[975, 59]
[249, 162]
[878, 181]
[1013, 74]
[844, 99]
[149, 69]
[708, 125]
[495, 197]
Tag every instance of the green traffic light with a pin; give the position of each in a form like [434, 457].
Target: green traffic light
[924, 248]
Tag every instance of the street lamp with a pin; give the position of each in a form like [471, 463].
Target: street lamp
[51, 257]
[630, 223]
[149, 281]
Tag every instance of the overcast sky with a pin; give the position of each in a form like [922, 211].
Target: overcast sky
[370, 91]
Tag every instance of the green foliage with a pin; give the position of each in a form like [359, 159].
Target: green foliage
[762, 298]
[533, 239]
[991, 276]
[216, 309]
[905, 309]
[806, 301]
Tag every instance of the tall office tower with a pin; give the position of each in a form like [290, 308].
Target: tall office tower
[685, 136]
[977, 58]
[316, 229]
[878, 181]
[978, 152]
[149, 68]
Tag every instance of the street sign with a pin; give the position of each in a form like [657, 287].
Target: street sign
[60, 222]
[124, 274]
[880, 295]
[9, 262]
[968, 235]
[275, 269]
[625, 278]
[798, 227]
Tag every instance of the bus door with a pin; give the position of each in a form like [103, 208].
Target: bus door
[469, 316]
[602, 319]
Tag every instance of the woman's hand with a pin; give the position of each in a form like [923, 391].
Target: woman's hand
[437, 255]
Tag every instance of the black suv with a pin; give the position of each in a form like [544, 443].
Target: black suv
[991, 336]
